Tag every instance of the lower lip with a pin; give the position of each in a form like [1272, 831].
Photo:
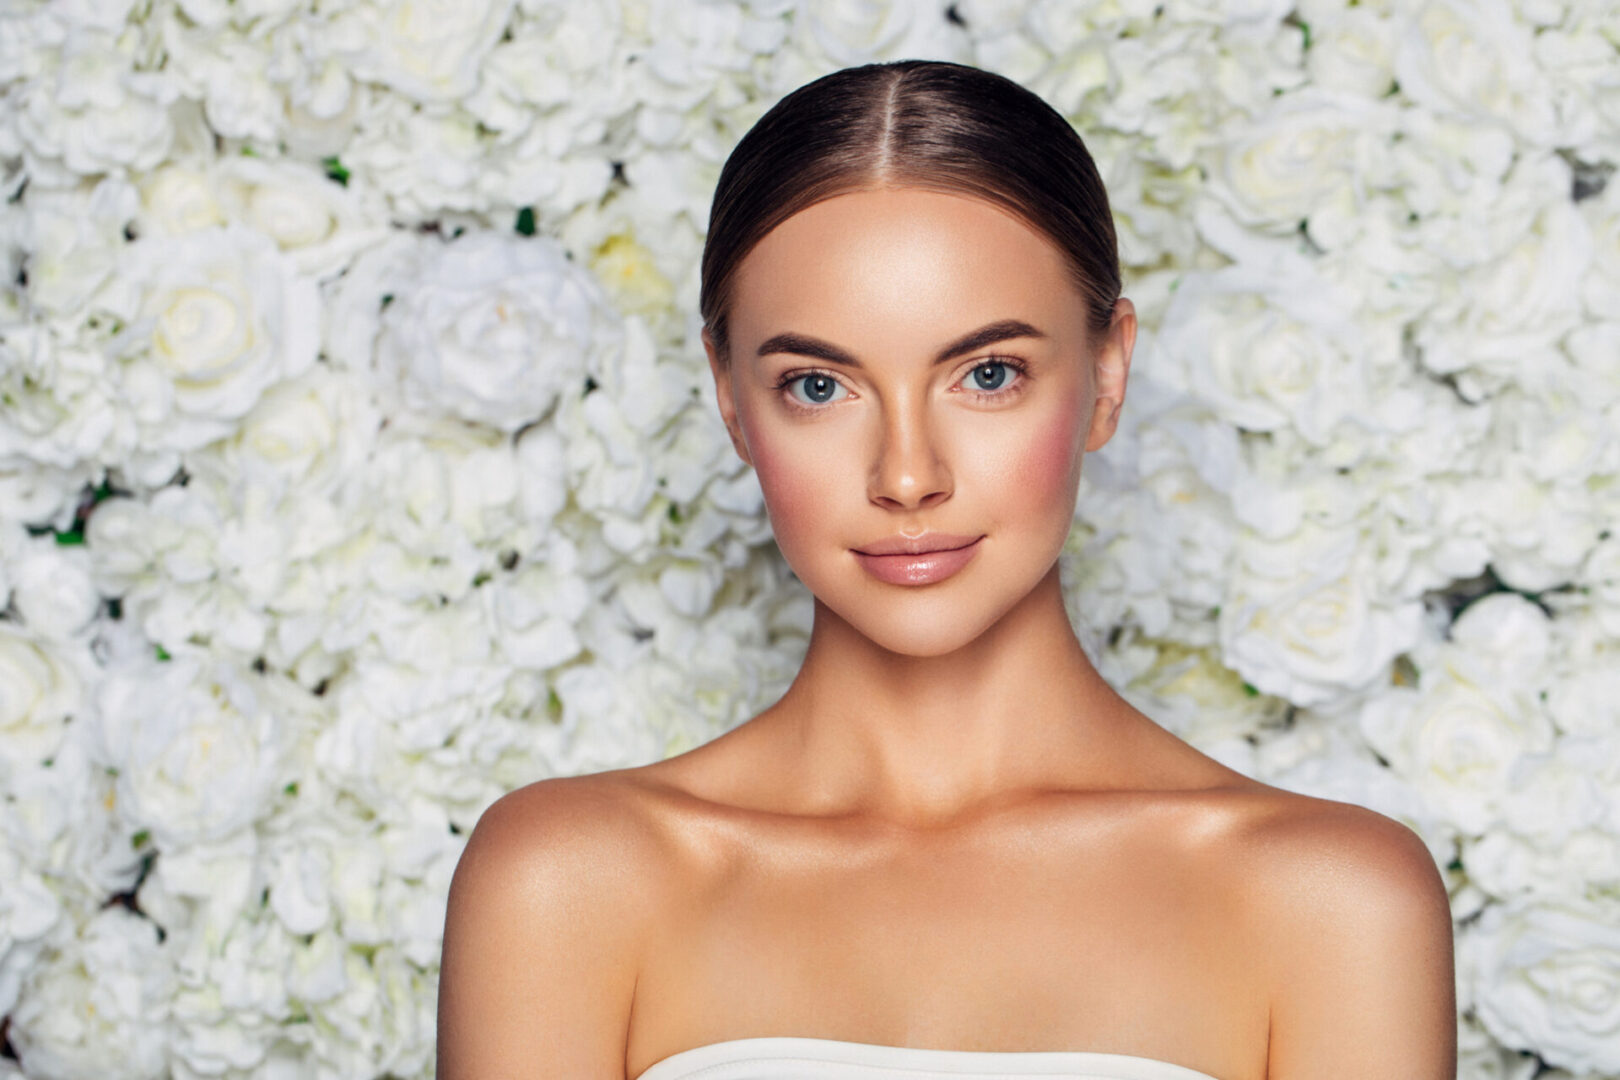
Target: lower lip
[924, 569]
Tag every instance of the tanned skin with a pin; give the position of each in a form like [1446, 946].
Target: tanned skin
[949, 832]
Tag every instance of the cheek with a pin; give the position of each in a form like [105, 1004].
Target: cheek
[793, 476]
[1047, 464]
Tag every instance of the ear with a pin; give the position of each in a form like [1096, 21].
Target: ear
[723, 394]
[1113, 368]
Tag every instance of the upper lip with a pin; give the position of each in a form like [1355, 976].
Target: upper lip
[916, 545]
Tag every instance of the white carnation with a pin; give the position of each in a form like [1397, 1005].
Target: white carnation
[429, 50]
[98, 1006]
[195, 747]
[91, 112]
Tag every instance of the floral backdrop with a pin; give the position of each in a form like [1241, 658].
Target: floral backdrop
[359, 462]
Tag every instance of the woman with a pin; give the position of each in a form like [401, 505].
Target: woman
[950, 848]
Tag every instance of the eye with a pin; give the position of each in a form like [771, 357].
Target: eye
[993, 377]
[819, 387]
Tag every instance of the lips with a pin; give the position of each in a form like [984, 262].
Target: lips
[916, 545]
[934, 562]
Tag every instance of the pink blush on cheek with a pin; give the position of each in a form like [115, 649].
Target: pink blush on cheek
[1047, 465]
[789, 484]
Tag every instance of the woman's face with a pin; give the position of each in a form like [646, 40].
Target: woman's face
[906, 363]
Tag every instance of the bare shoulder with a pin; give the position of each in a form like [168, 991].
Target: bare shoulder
[547, 915]
[1338, 858]
[1357, 941]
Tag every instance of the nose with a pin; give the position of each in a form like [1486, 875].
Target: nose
[908, 471]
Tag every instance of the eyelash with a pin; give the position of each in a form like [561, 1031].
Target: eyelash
[1012, 362]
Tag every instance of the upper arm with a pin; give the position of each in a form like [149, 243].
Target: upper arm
[1364, 985]
[541, 937]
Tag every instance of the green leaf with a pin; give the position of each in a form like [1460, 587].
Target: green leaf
[70, 538]
[162, 653]
[291, 788]
[1251, 691]
[140, 838]
[335, 170]
[525, 221]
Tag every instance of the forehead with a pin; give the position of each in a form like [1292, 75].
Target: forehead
[906, 258]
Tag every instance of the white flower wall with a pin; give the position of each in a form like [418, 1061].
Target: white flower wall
[359, 462]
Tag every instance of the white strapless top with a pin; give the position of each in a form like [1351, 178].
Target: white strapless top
[795, 1057]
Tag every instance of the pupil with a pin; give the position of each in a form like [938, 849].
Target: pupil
[991, 383]
[821, 387]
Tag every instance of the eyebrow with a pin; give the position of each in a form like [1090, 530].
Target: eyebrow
[804, 345]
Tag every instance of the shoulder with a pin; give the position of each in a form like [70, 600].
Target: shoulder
[549, 911]
[1355, 929]
[1339, 859]
[581, 833]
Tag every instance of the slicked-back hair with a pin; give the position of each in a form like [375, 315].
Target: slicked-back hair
[912, 123]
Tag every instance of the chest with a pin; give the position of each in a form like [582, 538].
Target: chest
[1014, 939]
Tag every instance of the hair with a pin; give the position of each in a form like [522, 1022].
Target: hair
[912, 123]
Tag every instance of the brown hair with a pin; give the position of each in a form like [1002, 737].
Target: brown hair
[912, 123]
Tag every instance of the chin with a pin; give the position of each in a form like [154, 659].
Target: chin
[921, 626]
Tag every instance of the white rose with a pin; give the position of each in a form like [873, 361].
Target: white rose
[195, 748]
[1190, 693]
[320, 223]
[850, 32]
[1268, 351]
[1546, 978]
[494, 327]
[1538, 534]
[52, 590]
[1458, 736]
[429, 50]
[1352, 48]
[75, 239]
[1303, 159]
[177, 199]
[1507, 310]
[216, 317]
[1302, 621]
[1510, 633]
[1477, 59]
[311, 434]
[1556, 833]
[98, 1006]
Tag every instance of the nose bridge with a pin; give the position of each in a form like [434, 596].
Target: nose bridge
[908, 468]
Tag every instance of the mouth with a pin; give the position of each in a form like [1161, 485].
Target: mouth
[923, 567]
[923, 544]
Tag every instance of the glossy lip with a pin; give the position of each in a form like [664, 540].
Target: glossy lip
[917, 545]
[923, 568]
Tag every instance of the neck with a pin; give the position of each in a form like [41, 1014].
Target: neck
[926, 740]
